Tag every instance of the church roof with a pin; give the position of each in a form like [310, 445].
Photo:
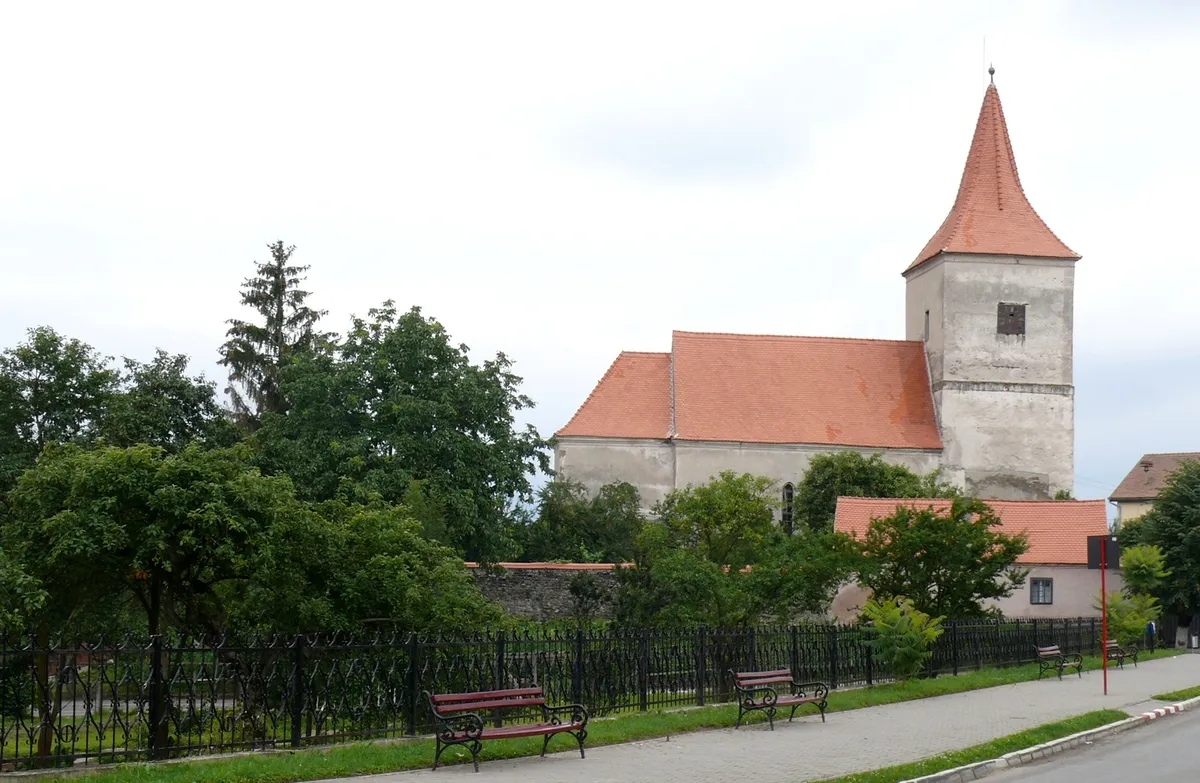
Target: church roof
[991, 214]
[768, 389]
[1057, 529]
[632, 400]
[1149, 475]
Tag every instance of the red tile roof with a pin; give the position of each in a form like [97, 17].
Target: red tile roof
[1057, 529]
[1149, 475]
[768, 389]
[991, 213]
[632, 400]
[822, 390]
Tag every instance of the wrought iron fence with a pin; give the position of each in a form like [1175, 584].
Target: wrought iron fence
[169, 696]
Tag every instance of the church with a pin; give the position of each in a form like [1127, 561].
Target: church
[981, 388]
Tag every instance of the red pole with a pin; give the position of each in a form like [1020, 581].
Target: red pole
[1104, 612]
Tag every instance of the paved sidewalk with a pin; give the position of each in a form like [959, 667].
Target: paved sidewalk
[852, 741]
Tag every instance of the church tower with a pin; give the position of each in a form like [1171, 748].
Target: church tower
[992, 297]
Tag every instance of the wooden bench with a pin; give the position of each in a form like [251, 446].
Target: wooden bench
[760, 691]
[457, 720]
[1053, 659]
[1116, 652]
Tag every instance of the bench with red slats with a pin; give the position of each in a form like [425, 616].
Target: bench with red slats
[457, 720]
[760, 691]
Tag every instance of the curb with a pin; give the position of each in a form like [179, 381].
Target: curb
[982, 769]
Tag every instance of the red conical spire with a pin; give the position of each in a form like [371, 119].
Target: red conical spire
[991, 214]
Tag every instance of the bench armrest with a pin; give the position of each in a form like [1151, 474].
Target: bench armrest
[446, 726]
[578, 713]
[818, 690]
[748, 695]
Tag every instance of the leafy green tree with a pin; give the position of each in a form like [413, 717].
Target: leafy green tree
[725, 521]
[1143, 568]
[138, 524]
[715, 558]
[20, 595]
[1128, 616]
[588, 596]
[52, 390]
[948, 563]
[343, 566]
[256, 353]
[1173, 525]
[573, 526]
[159, 404]
[395, 401]
[902, 635]
[850, 474]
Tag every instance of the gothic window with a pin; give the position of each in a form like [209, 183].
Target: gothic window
[1041, 591]
[789, 495]
[926, 337]
[1010, 318]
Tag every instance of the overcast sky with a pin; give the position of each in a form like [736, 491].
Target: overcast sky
[562, 181]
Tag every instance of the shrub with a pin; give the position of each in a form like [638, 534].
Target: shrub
[901, 635]
[1128, 616]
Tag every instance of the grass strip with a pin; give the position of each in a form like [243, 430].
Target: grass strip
[361, 758]
[1186, 693]
[988, 750]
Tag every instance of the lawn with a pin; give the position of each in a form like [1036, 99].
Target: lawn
[988, 750]
[1186, 693]
[387, 756]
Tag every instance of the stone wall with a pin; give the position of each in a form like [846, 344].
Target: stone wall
[539, 591]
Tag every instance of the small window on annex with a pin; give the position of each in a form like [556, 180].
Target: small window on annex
[789, 495]
[1041, 591]
[1010, 318]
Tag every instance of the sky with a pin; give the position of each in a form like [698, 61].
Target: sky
[562, 181]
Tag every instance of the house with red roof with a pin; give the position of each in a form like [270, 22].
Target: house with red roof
[1136, 493]
[1059, 583]
[981, 387]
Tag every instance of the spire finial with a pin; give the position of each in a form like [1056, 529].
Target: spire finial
[992, 73]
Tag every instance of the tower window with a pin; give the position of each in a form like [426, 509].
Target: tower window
[926, 337]
[789, 496]
[1010, 318]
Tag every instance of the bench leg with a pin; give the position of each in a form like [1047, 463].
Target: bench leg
[438, 754]
[822, 707]
[741, 712]
[545, 742]
[580, 736]
[794, 708]
[771, 717]
[476, 746]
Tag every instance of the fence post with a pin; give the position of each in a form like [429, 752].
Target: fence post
[701, 665]
[954, 644]
[794, 654]
[577, 669]
[833, 657]
[1092, 637]
[1036, 641]
[866, 637]
[156, 697]
[297, 689]
[644, 670]
[498, 678]
[753, 652]
[410, 683]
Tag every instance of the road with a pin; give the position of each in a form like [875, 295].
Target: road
[1165, 750]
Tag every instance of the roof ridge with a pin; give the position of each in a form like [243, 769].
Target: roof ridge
[1171, 454]
[989, 501]
[675, 332]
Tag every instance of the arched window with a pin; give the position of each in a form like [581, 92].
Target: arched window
[789, 494]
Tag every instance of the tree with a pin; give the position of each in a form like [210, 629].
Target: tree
[1173, 525]
[573, 526]
[902, 635]
[725, 521]
[850, 474]
[1143, 569]
[201, 541]
[256, 353]
[948, 563]
[715, 558]
[395, 401]
[160, 405]
[52, 390]
[1128, 615]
